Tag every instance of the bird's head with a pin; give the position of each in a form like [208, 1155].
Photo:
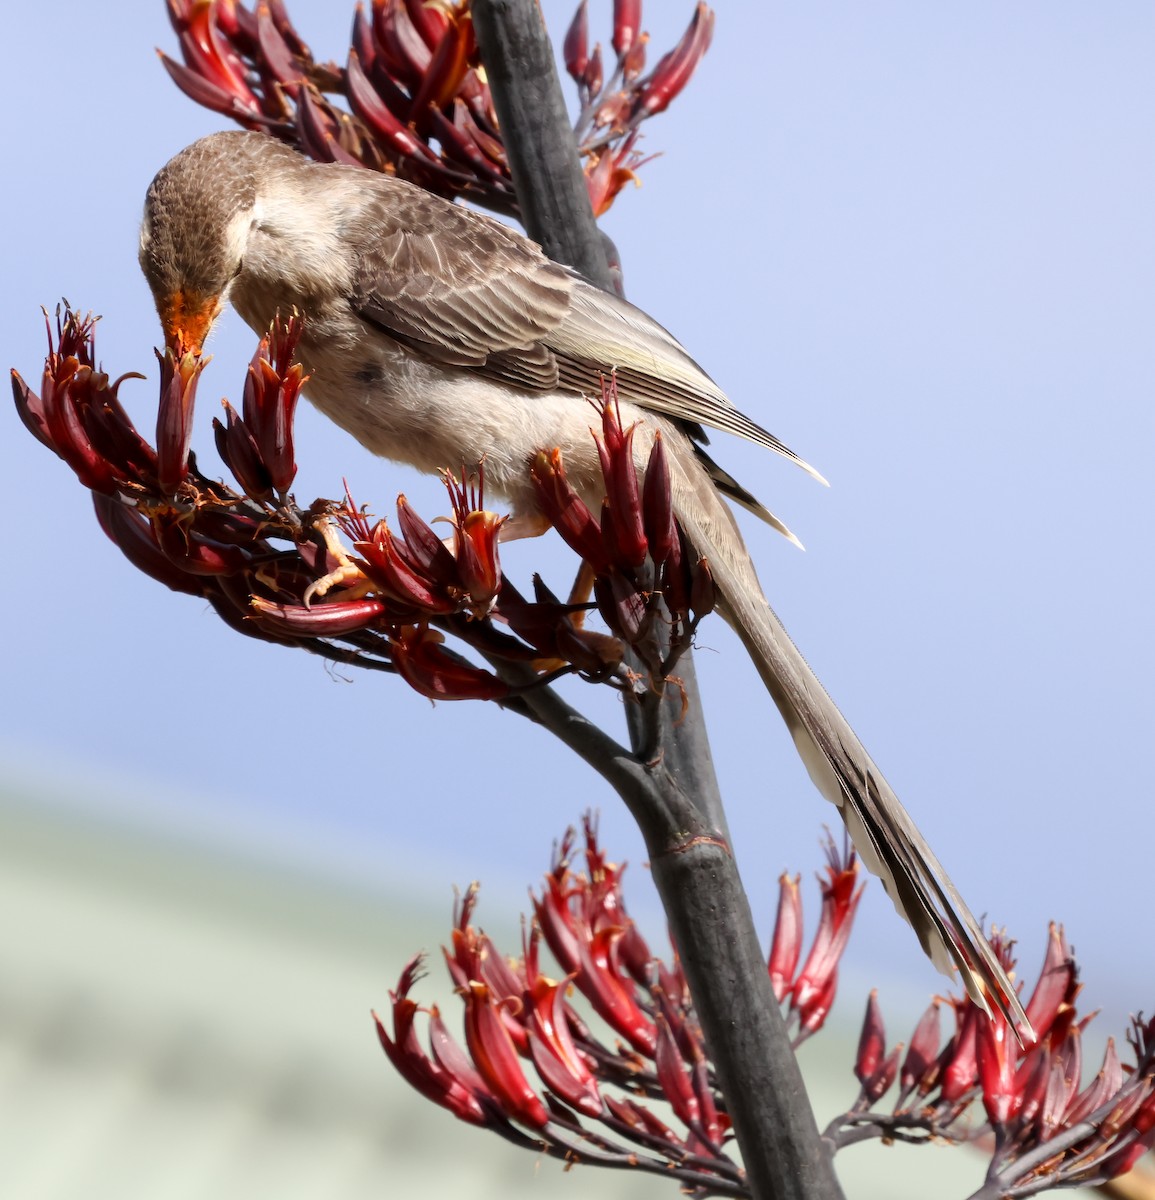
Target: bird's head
[198, 214]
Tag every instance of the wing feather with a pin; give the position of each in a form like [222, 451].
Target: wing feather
[465, 290]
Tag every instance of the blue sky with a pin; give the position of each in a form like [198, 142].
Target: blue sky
[915, 241]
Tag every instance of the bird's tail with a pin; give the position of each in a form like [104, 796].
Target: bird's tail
[882, 831]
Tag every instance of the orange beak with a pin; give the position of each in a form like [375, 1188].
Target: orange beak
[187, 318]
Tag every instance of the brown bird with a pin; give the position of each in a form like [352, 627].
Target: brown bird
[437, 336]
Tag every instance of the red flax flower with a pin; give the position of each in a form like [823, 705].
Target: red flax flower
[531, 1063]
[412, 97]
[399, 598]
[1049, 1128]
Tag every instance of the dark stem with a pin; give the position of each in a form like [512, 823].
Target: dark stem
[539, 141]
[674, 794]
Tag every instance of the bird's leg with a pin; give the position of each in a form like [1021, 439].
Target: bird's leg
[580, 593]
[346, 574]
[523, 525]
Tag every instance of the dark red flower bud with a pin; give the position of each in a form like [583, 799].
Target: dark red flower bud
[493, 1052]
[575, 48]
[1057, 985]
[434, 21]
[623, 607]
[960, 1070]
[593, 76]
[424, 548]
[442, 79]
[178, 384]
[332, 619]
[674, 69]
[786, 947]
[272, 389]
[404, 50]
[432, 1079]
[623, 532]
[677, 580]
[463, 142]
[703, 589]
[361, 38]
[562, 1068]
[209, 55]
[883, 1078]
[423, 662]
[627, 21]
[920, 1066]
[637, 1116]
[322, 129]
[1031, 1080]
[997, 1051]
[556, 922]
[390, 128]
[277, 56]
[658, 505]
[634, 61]
[239, 452]
[606, 987]
[674, 1079]
[871, 1041]
[1105, 1084]
[209, 95]
[565, 509]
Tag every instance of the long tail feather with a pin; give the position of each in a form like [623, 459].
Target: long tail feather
[883, 833]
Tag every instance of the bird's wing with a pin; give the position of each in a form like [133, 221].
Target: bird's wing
[464, 290]
[458, 287]
[653, 369]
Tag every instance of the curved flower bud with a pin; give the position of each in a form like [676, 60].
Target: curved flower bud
[431, 1078]
[786, 947]
[492, 1050]
[178, 385]
[421, 659]
[575, 46]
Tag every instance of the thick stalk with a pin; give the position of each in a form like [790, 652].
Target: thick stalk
[682, 818]
[555, 205]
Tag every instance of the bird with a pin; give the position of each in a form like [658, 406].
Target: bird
[436, 335]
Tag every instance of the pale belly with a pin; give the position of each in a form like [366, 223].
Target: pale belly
[407, 410]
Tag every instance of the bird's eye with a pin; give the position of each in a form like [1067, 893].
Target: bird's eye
[240, 267]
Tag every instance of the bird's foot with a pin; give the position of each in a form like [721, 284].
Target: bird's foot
[345, 575]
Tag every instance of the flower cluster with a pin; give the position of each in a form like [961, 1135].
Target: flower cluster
[417, 100]
[651, 589]
[1046, 1128]
[614, 106]
[533, 1069]
[591, 1102]
[393, 596]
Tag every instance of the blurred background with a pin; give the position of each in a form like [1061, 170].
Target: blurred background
[914, 242]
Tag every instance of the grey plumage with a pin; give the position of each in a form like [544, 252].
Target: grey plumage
[437, 336]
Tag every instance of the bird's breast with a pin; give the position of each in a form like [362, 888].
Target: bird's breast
[405, 408]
